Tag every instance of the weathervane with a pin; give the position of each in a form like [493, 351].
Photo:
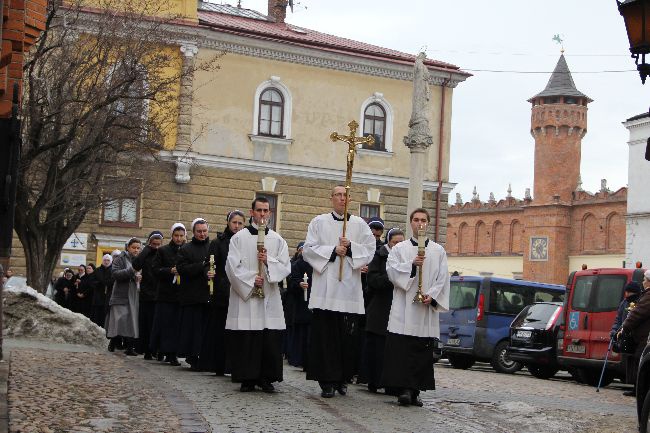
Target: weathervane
[353, 141]
[558, 39]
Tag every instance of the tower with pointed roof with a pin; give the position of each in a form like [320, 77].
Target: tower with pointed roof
[558, 123]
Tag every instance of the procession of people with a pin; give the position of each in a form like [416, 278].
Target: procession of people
[360, 307]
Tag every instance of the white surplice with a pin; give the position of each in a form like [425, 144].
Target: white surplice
[246, 313]
[327, 292]
[406, 316]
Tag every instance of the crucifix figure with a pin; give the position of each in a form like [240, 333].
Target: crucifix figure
[353, 141]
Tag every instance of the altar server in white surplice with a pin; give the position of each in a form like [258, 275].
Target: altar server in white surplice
[254, 324]
[335, 304]
[412, 326]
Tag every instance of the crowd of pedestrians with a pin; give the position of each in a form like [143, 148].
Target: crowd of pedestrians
[239, 304]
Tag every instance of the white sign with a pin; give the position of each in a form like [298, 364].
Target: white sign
[69, 259]
[78, 241]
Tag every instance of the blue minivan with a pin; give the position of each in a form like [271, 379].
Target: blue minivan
[477, 325]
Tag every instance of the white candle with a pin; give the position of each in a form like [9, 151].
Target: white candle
[305, 279]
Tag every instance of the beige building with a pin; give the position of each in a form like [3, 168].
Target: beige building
[260, 125]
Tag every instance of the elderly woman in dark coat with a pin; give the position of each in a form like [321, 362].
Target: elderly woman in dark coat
[123, 316]
[380, 298]
[638, 323]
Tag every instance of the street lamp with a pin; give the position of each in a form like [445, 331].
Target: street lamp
[637, 24]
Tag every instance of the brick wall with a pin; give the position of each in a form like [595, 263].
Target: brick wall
[23, 20]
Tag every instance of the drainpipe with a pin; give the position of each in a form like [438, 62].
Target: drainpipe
[441, 133]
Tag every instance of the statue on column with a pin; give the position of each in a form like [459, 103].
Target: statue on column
[419, 132]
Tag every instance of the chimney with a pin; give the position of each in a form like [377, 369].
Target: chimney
[278, 10]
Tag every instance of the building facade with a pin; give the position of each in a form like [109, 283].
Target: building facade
[260, 125]
[562, 227]
[637, 220]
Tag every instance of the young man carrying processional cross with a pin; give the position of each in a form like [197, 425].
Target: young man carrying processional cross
[336, 292]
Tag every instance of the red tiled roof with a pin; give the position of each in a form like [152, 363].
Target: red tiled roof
[287, 33]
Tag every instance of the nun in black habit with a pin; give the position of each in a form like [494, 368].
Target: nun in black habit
[164, 334]
[213, 350]
[194, 296]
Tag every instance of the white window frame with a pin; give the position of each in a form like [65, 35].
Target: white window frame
[378, 98]
[273, 82]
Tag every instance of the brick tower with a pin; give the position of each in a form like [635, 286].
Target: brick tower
[558, 123]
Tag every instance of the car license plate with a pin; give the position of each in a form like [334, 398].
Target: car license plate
[575, 348]
[453, 342]
[524, 334]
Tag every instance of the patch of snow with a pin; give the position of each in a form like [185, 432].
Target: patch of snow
[29, 314]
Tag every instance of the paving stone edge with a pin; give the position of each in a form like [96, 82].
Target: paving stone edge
[4, 394]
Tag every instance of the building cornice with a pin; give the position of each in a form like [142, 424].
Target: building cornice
[186, 159]
[637, 123]
[184, 33]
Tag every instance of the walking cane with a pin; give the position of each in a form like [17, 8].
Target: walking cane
[602, 373]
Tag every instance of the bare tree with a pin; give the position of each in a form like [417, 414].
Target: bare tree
[101, 93]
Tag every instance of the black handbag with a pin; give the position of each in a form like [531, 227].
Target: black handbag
[626, 342]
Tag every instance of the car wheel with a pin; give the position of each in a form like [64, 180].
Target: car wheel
[590, 377]
[542, 371]
[501, 362]
[460, 362]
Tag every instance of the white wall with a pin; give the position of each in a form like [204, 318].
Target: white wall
[637, 246]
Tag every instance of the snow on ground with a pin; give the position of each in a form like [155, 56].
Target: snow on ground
[29, 314]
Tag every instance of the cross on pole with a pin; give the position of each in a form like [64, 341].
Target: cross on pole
[352, 141]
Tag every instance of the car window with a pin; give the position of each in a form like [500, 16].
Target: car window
[609, 292]
[509, 299]
[548, 296]
[462, 295]
[582, 292]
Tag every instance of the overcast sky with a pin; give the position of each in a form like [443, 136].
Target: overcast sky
[491, 144]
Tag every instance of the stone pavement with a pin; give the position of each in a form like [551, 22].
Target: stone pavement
[65, 388]
[476, 400]
[55, 388]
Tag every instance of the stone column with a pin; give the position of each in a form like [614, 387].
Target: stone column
[184, 131]
[419, 136]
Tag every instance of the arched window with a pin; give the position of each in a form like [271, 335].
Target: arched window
[271, 114]
[374, 123]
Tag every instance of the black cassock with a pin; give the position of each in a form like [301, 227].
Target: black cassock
[164, 333]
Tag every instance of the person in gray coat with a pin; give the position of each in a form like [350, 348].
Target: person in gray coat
[123, 317]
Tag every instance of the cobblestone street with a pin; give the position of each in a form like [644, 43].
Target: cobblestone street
[85, 391]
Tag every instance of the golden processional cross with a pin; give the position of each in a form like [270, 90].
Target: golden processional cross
[353, 141]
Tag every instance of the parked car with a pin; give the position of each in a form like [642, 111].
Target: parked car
[593, 297]
[533, 338]
[477, 325]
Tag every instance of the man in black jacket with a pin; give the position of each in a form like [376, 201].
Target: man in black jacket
[148, 287]
[164, 334]
[192, 266]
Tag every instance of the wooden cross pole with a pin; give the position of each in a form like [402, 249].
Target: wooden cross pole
[353, 141]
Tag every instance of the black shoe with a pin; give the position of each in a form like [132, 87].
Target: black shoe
[631, 393]
[111, 345]
[160, 357]
[266, 387]
[147, 356]
[415, 399]
[327, 391]
[130, 352]
[372, 388]
[342, 388]
[247, 387]
[404, 398]
[173, 361]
